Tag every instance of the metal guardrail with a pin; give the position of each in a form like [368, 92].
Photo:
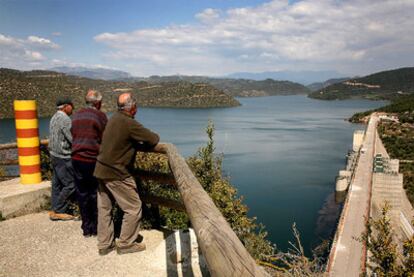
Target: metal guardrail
[224, 253]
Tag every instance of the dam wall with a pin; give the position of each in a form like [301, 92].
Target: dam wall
[345, 176]
[347, 256]
[374, 180]
[387, 186]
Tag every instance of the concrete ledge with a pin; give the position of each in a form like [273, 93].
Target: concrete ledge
[34, 246]
[17, 199]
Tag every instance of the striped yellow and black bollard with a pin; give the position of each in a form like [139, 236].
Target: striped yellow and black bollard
[27, 133]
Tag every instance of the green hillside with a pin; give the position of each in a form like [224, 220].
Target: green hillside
[268, 87]
[383, 85]
[403, 106]
[236, 87]
[47, 86]
[321, 85]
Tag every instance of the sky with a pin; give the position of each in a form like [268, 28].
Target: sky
[214, 38]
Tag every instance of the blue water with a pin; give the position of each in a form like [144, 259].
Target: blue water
[281, 152]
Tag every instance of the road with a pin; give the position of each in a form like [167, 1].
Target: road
[348, 256]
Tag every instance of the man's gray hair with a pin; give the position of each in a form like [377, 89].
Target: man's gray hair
[127, 104]
[93, 96]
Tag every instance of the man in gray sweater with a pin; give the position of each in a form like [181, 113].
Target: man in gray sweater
[122, 137]
[60, 143]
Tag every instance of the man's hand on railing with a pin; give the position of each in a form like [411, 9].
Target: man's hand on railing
[161, 148]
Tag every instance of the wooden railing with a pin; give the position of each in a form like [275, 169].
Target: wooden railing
[224, 253]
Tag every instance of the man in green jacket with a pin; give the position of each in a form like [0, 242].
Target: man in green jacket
[121, 138]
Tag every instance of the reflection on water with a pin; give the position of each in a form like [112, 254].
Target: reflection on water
[282, 153]
[328, 216]
[340, 196]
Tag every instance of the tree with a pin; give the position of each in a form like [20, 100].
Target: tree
[378, 237]
[408, 258]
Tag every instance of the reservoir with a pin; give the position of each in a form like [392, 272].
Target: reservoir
[282, 153]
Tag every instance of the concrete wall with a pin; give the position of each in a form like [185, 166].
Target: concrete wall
[17, 199]
[358, 139]
[388, 187]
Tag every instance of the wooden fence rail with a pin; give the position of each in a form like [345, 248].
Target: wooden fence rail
[224, 252]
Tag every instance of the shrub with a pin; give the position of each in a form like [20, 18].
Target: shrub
[385, 258]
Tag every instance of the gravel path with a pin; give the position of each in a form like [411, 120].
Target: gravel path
[32, 245]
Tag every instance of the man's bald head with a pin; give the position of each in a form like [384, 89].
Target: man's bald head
[93, 98]
[126, 102]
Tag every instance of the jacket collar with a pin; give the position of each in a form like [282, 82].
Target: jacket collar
[125, 114]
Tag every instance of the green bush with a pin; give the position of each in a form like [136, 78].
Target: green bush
[385, 258]
[45, 164]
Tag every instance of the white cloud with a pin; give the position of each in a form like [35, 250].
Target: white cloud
[41, 42]
[24, 53]
[350, 36]
[208, 15]
[33, 55]
[7, 41]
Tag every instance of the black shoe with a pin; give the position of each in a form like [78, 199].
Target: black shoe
[108, 250]
[89, 234]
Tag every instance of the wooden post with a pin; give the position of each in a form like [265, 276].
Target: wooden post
[224, 253]
[27, 133]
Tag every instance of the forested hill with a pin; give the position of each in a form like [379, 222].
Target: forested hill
[321, 85]
[268, 87]
[236, 87]
[382, 85]
[47, 86]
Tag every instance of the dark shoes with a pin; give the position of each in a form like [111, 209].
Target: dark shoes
[90, 233]
[108, 250]
[58, 216]
[135, 247]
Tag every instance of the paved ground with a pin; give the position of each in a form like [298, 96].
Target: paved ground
[349, 254]
[32, 245]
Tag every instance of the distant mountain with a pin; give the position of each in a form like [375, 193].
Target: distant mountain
[321, 85]
[235, 87]
[388, 85]
[93, 73]
[47, 86]
[302, 77]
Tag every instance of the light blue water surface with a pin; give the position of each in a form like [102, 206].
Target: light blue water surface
[281, 152]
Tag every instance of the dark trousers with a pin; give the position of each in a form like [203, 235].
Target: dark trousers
[63, 185]
[86, 189]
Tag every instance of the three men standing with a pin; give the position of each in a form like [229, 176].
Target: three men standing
[88, 125]
[78, 143]
[121, 138]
